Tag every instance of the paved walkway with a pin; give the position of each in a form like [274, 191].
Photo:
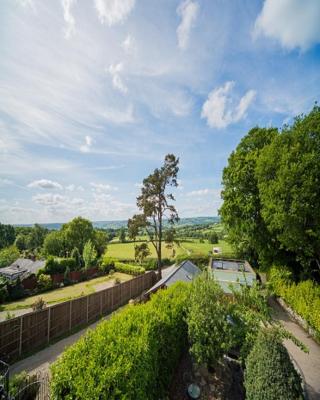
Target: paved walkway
[309, 364]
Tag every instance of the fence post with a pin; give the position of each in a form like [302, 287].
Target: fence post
[20, 336]
[70, 315]
[87, 309]
[112, 297]
[130, 288]
[101, 293]
[49, 323]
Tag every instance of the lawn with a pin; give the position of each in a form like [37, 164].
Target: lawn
[65, 293]
[125, 251]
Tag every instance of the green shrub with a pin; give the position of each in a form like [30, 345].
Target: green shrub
[44, 282]
[270, 374]
[107, 264]
[19, 381]
[59, 265]
[68, 263]
[302, 297]
[129, 269]
[131, 356]
[210, 333]
[199, 260]
[8, 255]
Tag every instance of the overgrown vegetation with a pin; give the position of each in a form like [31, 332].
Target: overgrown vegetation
[303, 297]
[129, 269]
[131, 356]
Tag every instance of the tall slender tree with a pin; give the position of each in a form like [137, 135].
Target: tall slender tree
[153, 203]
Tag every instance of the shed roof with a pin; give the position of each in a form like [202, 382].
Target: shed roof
[22, 268]
[183, 272]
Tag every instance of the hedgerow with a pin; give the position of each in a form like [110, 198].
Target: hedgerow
[131, 356]
[128, 269]
[302, 297]
[270, 374]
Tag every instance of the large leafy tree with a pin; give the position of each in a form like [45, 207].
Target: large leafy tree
[7, 235]
[154, 203]
[288, 174]
[241, 209]
[77, 232]
[55, 244]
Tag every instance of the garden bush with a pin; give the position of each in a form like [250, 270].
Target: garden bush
[107, 264]
[270, 374]
[131, 356]
[44, 282]
[129, 269]
[303, 297]
[59, 265]
[199, 260]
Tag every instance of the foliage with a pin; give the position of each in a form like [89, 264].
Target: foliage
[75, 254]
[15, 290]
[270, 374]
[100, 240]
[213, 238]
[55, 244]
[89, 254]
[129, 269]
[131, 356]
[37, 236]
[134, 225]
[44, 282]
[78, 232]
[241, 209]
[22, 241]
[19, 381]
[59, 265]
[199, 260]
[107, 264]
[153, 203]
[8, 255]
[122, 235]
[7, 235]
[141, 251]
[9, 316]
[288, 176]
[302, 297]
[209, 331]
[39, 304]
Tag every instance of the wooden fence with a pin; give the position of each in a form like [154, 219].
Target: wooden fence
[22, 335]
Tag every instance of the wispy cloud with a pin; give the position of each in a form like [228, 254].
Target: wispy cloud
[45, 184]
[85, 148]
[115, 71]
[112, 12]
[219, 109]
[187, 11]
[68, 17]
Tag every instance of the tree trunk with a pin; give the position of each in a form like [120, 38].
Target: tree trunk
[159, 249]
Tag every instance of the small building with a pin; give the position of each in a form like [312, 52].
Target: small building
[22, 268]
[183, 272]
[232, 273]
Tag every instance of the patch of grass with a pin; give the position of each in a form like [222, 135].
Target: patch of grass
[65, 293]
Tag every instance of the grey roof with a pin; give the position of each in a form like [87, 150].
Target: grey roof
[22, 268]
[184, 272]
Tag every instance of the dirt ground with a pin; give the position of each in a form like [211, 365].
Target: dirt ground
[225, 383]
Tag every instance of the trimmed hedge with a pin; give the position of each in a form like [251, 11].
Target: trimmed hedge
[270, 374]
[199, 260]
[131, 356]
[128, 269]
[302, 297]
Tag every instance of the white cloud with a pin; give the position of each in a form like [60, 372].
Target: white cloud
[85, 148]
[113, 11]
[45, 184]
[68, 17]
[128, 44]
[120, 117]
[294, 23]
[188, 11]
[5, 182]
[49, 199]
[101, 187]
[73, 188]
[117, 82]
[219, 108]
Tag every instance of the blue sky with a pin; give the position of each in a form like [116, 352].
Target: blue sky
[94, 93]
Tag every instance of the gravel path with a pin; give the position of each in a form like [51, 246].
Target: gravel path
[309, 363]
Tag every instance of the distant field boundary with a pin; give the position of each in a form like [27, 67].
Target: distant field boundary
[22, 335]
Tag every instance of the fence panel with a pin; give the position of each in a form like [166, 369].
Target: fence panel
[10, 339]
[79, 312]
[34, 330]
[94, 306]
[60, 319]
[28, 332]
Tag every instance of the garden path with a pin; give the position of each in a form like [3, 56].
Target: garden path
[309, 364]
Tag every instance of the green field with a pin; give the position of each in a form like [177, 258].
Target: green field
[125, 251]
[66, 293]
